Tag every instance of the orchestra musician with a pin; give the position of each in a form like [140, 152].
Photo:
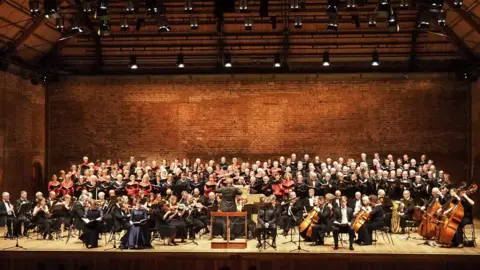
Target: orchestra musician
[292, 213]
[342, 221]
[324, 211]
[376, 221]
[408, 208]
[7, 213]
[78, 212]
[174, 215]
[266, 222]
[121, 215]
[467, 203]
[41, 216]
[22, 218]
[93, 225]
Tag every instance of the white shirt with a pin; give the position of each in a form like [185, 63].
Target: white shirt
[344, 216]
[8, 207]
[358, 203]
[310, 201]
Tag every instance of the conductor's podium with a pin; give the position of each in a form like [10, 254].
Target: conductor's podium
[228, 244]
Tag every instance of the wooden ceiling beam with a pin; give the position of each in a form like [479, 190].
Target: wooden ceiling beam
[456, 41]
[467, 16]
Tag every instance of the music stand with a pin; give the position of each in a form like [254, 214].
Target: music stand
[299, 248]
[17, 236]
[25, 209]
[291, 231]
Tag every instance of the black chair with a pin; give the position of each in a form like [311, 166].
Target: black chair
[384, 231]
[471, 241]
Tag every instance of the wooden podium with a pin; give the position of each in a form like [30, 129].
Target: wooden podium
[228, 244]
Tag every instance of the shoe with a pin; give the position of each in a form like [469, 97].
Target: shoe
[259, 245]
[460, 246]
[351, 248]
[358, 242]
[274, 245]
[171, 244]
[364, 244]
[335, 248]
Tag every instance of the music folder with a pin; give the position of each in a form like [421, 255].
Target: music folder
[25, 208]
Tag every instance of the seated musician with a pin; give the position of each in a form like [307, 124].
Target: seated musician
[408, 208]
[292, 213]
[196, 217]
[324, 225]
[356, 202]
[266, 222]
[467, 204]
[93, 225]
[376, 221]
[342, 222]
[387, 205]
[121, 215]
[159, 210]
[41, 216]
[22, 218]
[175, 215]
[65, 217]
[7, 213]
[308, 201]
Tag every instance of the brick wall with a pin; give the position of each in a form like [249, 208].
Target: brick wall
[22, 132]
[258, 116]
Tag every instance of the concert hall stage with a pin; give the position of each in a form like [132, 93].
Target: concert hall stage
[403, 254]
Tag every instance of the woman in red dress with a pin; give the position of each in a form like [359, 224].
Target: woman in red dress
[67, 186]
[54, 185]
[132, 187]
[210, 185]
[145, 185]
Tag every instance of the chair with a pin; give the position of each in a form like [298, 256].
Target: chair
[472, 237]
[384, 231]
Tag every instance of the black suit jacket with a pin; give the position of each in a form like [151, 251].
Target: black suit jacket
[78, 212]
[337, 214]
[3, 209]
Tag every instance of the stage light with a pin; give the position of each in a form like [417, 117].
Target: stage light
[392, 24]
[243, 5]
[436, 5]
[130, 7]
[104, 29]
[326, 59]
[34, 6]
[180, 63]
[75, 27]
[277, 61]
[87, 7]
[101, 12]
[294, 5]
[424, 19]
[227, 60]
[151, 6]
[248, 24]
[351, 4]
[404, 4]
[332, 22]
[457, 3]
[332, 6]
[298, 22]
[372, 20]
[124, 23]
[375, 59]
[273, 22]
[51, 8]
[188, 6]
[356, 21]
[194, 23]
[60, 24]
[133, 62]
[442, 21]
[383, 8]
[139, 24]
[163, 24]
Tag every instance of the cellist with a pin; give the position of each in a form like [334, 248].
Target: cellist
[324, 224]
[467, 204]
[375, 222]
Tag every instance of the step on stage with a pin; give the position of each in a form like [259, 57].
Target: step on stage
[403, 254]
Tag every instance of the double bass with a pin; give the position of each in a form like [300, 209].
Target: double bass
[450, 222]
[428, 225]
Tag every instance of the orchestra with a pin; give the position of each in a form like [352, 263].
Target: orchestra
[146, 200]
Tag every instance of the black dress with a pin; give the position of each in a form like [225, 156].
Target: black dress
[138, 235]
[165, 229]
[92, 229]
[44, 224]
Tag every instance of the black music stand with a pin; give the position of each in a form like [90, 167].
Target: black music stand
[265, 245]
[299, 247]
[15, 236]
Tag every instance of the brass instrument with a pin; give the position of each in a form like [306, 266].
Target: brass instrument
[396, 210]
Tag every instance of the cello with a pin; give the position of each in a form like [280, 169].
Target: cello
[312, 218]
[360, 219]
[452, 220]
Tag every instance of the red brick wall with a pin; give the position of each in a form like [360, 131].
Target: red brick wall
[22, 132]
[258, 116]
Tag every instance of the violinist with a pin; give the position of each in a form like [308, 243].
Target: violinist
[292, 213]
[52, 199]
[467, 203]
[22, 217]
[121, 215]
[376, 221]
[42, 218]
[196, 217]
[174, 215]
[324, 210]
[342, 221]
[166, 230]
[54, 185]
[266, 222]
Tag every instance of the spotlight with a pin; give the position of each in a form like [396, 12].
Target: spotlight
[326, 59]
[139, 23]
[356, 21]
[383, 9]
[375, 59]
[243, 5]
[133, 62]
[34, 6]
[163, 24]
[227, 60]
[101, 12]
[130, 7]
[392, 24]
[294, 5]
[332, 6]
[51, 8]
[298, 22]
[424, 19]
[277, 61]
[87, 7]
[60, 24]
[372, 21]
[193, 23]
[457, 3]
[436, 5]
[124, 23]
[442, 21]
[273, 22]
[180, 63]
[104, 29]
[351, 5]
[151, 6]
[188, 6]
[332, 22]
[75, 27]
[248, 24]
[404, 4]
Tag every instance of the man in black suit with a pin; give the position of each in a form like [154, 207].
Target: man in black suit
[78, 212]
[22, 217]
[375, 222]
[308, 201]
[343, 217]
[324, 222]
[7, 213]
[355, 203]
[266, 222]
[292, 212]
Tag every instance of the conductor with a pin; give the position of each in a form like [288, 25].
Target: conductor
[228, 203]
